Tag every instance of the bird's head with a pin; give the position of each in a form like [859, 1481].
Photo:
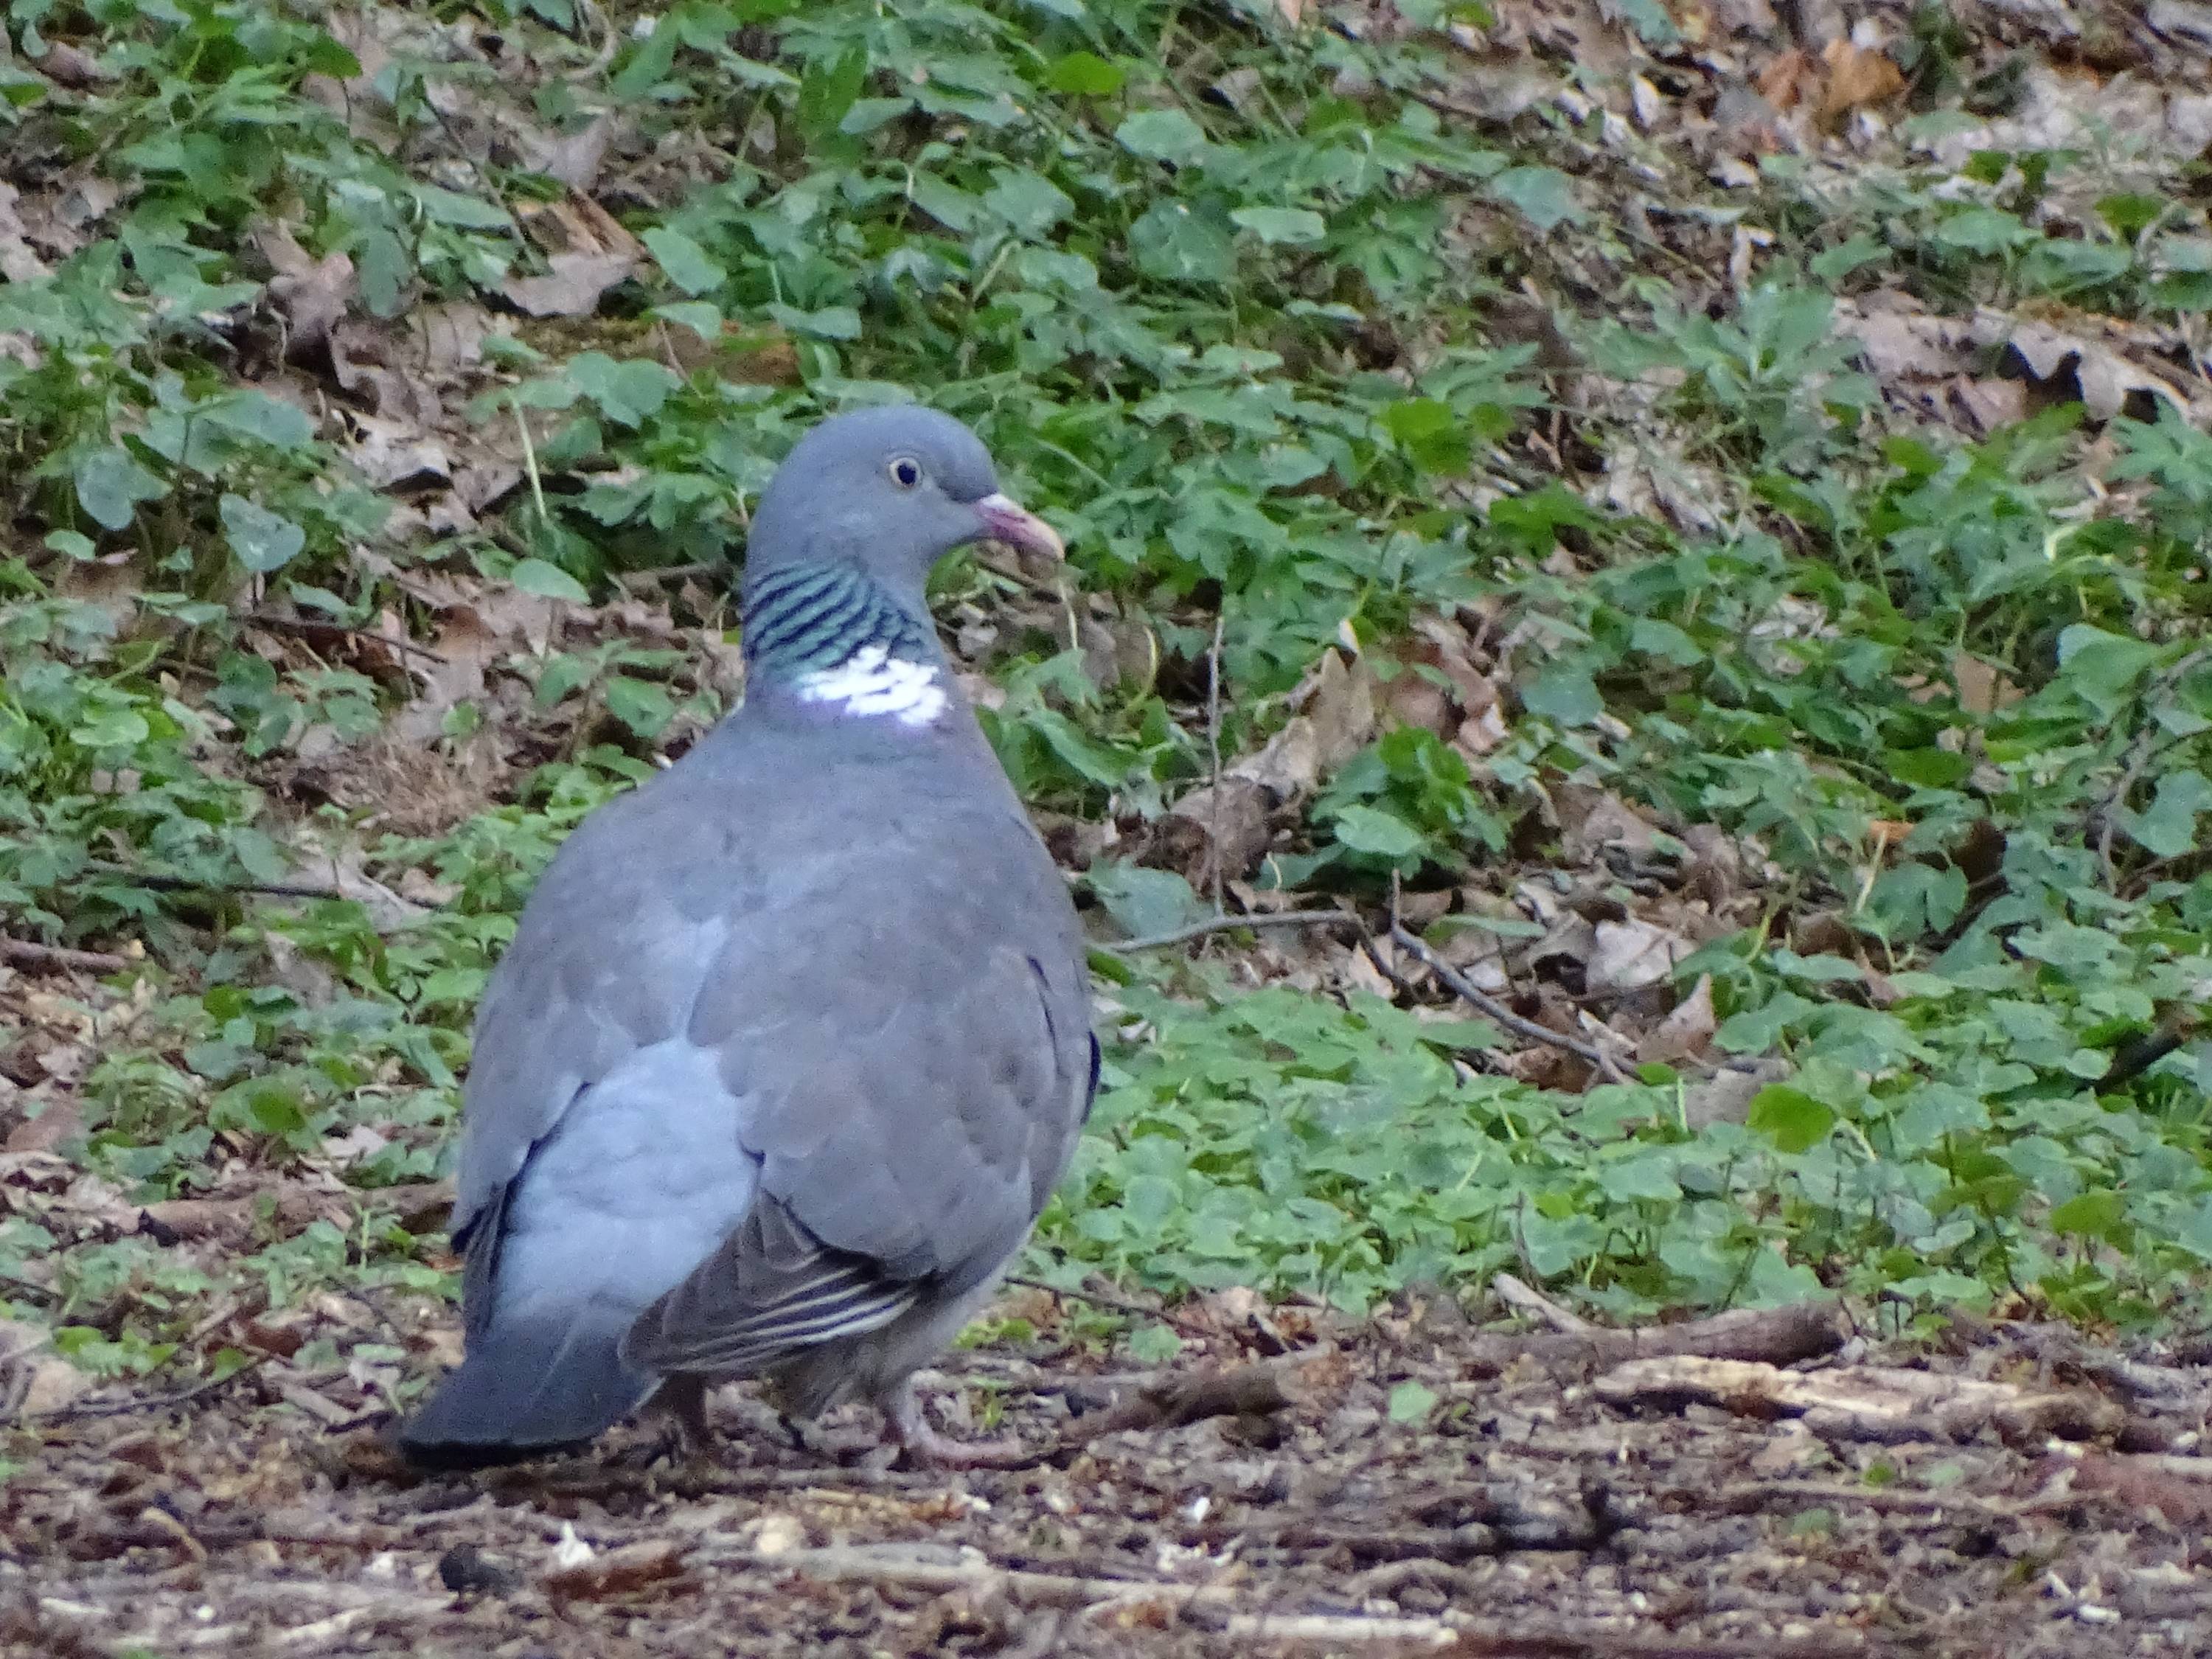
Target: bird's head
[892, 490]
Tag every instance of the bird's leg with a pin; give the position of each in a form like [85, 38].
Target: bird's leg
[680, 1406]
[909, 1424]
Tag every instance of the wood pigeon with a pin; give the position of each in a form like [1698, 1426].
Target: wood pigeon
[793, 1043]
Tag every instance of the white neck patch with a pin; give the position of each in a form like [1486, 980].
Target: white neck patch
[872, 682]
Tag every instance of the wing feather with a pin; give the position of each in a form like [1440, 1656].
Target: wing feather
[772, 1290]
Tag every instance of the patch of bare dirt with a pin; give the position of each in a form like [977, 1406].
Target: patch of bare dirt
[1759, 1485]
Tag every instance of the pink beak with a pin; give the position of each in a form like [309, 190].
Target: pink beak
[1005, 520]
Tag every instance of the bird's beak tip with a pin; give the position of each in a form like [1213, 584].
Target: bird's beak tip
[1005, 520]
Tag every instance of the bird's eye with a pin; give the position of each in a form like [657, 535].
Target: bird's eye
[906, 472]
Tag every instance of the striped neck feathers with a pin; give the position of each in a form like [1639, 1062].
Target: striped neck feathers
[833, 636]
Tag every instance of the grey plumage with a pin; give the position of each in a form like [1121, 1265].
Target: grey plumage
[793, 1043]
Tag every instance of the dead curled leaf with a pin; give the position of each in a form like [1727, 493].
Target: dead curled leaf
[1634, 953]
[622, 1571]
[311, 294]
[290, 1209]
[2067, 365]
[33, 1379]
[1857, 76]
[588, 253]
[1684, 1033]
[1337, 702]
[1214, 833]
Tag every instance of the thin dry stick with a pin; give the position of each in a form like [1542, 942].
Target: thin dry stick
[59, 956]
[163, 884]
[1460, 985]
[316, 625]
[628, 580]
[1214, 750]
[145, 1402]
[1225, 924]
[1097, 1299]
[1526, 1298]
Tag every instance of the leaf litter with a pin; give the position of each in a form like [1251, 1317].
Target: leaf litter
[1413, 1490]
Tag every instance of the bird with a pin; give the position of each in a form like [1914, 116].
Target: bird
[793, 1043]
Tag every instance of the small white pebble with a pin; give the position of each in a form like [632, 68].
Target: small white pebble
[1198, 1509]
[383, 1564]
[571, 1552]
[779, 1534]
[2090, 1613]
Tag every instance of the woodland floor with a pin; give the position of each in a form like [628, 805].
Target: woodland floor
[1775, 1488]
[1554, 1499]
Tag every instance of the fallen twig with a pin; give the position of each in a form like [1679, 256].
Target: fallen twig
[1335, 1629]
[1467, 991]
[144, 1402]
[58, 956]
[1748, 1496]
[1176, 1398]
[1225, 1607]
[922, 1566]
[1779, 1336]
[166, 884]
[1528, 1299]
[1103, 1299]
[2138, 1054]
[316, 625]
[1880, 1403]
[2166, 1388]
[1227, 924]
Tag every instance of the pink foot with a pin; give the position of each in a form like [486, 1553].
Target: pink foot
[909, 1424]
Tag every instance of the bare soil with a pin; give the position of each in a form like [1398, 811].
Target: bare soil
[1542, 1496]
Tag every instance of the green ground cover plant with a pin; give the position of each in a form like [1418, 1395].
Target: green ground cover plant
[1233, 297]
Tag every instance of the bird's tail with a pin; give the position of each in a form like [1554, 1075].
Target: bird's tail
[524, 1392]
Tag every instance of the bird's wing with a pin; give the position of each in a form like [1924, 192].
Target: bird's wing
[607, 960]
[914, 1080]
[892, 1030]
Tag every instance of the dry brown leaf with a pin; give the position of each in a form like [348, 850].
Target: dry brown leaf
[1213, 832]
[396, 456]
[233, 1220]
[1982, 689]
[313, 294]
[2068, 366]
[1591, 821]
[573, 158]
[1857, 77]
[571, 285]
[1886, 833]
[1988, 404]
[1684, 1033]
[35, 1380]
[623, 1572]
[1787, 80]
[1339, 702]
[1628, 954]
[588, 251]
[58, 1121]
[1899, 341]
[19, 261]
